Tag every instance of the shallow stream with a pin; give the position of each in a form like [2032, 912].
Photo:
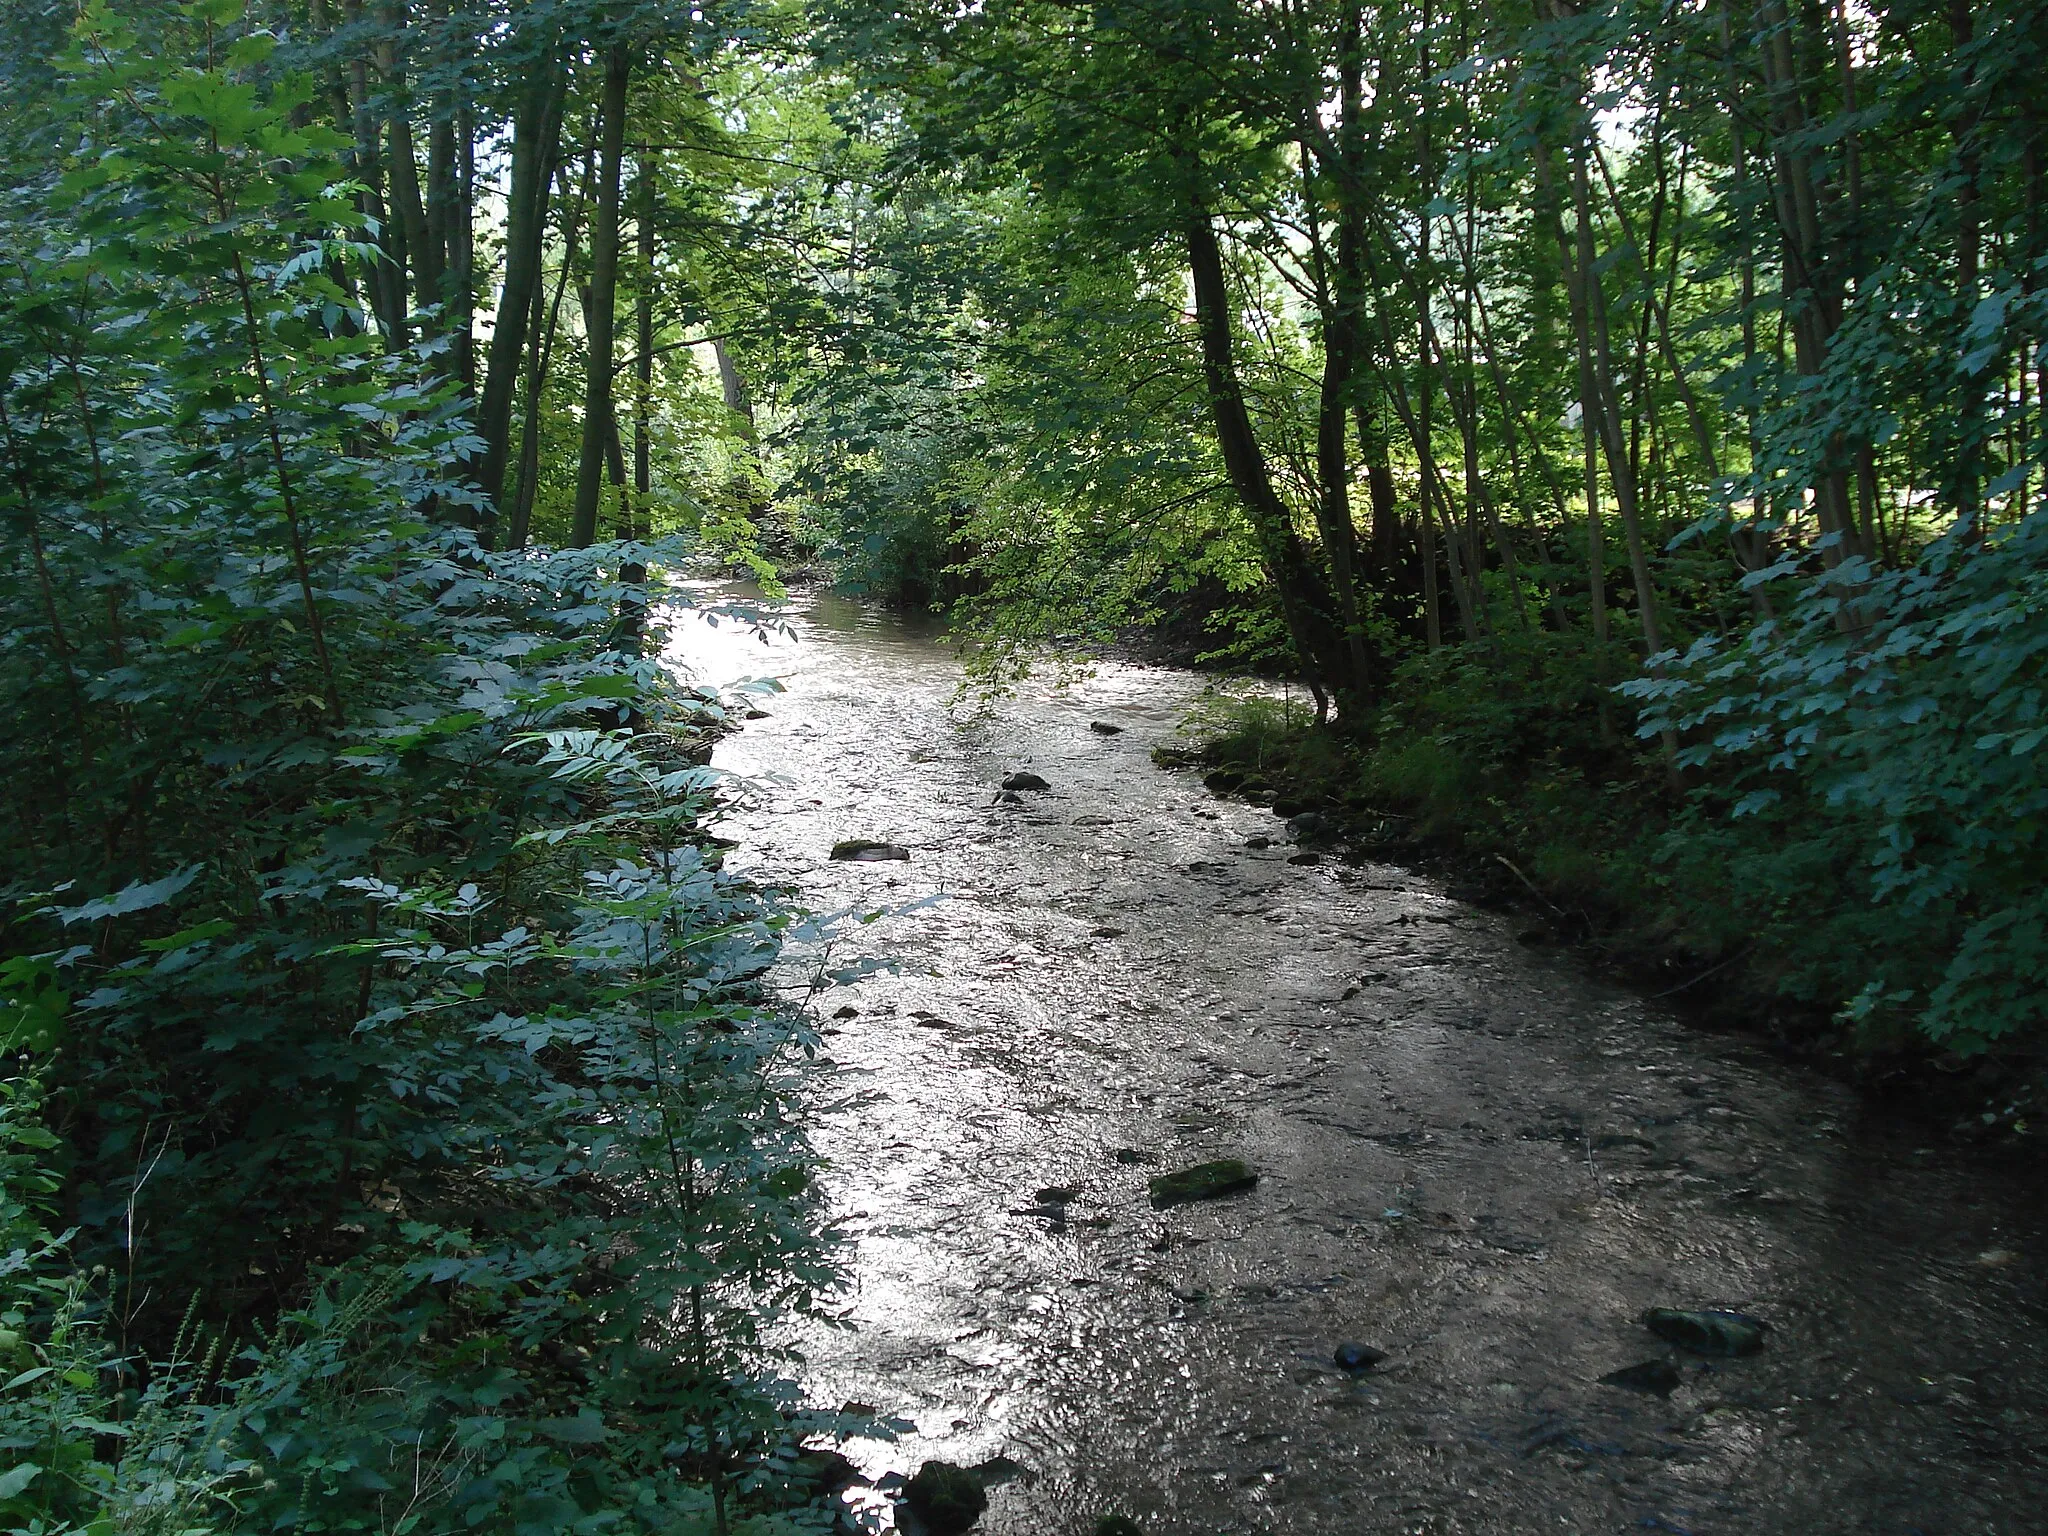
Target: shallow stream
[1470, 1156]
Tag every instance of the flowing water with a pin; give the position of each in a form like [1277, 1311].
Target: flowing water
[1470, 1157]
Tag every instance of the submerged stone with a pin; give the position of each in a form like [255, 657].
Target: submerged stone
[1025, 780]
[1104, 728]
[1358, 1357]
[1658, 1376]
[1708, 1332]
[948, 1499]
[1204, 1181]
[1309, 825]
[864, 850]
[1118, 1525]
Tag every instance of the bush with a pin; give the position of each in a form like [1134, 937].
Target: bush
[406, 1078]
[1879, 790]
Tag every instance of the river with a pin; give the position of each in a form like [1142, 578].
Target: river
[1471, 1157]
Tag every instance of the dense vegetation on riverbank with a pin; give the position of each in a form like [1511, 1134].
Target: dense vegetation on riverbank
[1625, 419]
[399, 1133]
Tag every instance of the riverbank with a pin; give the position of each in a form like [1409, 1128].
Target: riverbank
[1595, 854]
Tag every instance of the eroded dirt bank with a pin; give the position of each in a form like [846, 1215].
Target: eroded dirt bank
[1470, 1158]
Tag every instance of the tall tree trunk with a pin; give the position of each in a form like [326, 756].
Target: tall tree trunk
[600, 319]
[419, 262]
[540, 355]
[462, 244]
[640, 517]
[1813, 276]
[1304, 604]
[1341, 346]
[1621, 469]
[732, 387]
[536, 145]
[1589, 430]
[386, 280]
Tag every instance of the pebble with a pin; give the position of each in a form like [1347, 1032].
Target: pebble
[1358, 1357]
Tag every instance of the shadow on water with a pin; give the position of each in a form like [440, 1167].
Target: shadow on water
[1470, 1158]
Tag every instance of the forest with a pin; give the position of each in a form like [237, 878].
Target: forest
[1621, 422]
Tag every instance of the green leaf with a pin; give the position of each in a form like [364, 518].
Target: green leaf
[16, 1479]
[137, 896]
[585, 1429]
[212, 929]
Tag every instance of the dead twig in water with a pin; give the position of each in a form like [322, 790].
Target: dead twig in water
[1508, 864]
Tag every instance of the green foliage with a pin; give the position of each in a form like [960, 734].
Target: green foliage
[1877, 781]
[404, 1053]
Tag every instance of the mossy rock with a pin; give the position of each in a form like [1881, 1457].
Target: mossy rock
[1708, 1332]
[948, 1499]
[1204, 1181]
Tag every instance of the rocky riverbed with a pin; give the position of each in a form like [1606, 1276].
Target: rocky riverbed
[1470, 1162]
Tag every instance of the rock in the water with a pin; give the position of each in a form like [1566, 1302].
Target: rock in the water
[758, 714]
[1658, 1376]
[847, 1012]
[825, 1471]
[948, 1499]
[1358, 1357]
[1008, 797]
[1309, 826]
[1058, 1194]
[1260, 841]
[1223, 780]
[1306, 858]
[1000, 1469]
[1204, 1181]
[1104, 728]
[1105, 932]
[1024, 779]
[1133, 1157]
[1708, 1332]
[1118, 1525]
[863, 850]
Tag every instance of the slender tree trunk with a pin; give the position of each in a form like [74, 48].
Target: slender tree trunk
[600, 319]
[640, 516]
[1621, 470]
[419, 264]
[536, 144]
[1341, 345]
[1304, 605]
[541, 356]
[462, 244]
